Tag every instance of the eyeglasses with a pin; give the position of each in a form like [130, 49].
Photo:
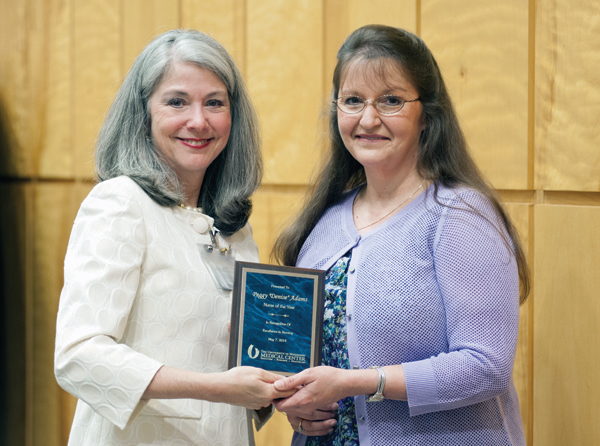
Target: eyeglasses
[387, 104]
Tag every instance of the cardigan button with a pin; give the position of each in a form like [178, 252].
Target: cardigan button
[352, 269]
[361, 418]
[355, 367]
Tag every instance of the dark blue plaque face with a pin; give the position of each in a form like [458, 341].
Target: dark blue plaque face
[277, 325]
[277, 322]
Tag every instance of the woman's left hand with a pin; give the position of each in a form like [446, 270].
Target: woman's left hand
[317, 387]
[312, 428]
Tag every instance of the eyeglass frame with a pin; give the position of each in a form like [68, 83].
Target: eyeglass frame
[372, 101]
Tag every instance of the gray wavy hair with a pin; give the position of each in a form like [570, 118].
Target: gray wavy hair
[125, 146]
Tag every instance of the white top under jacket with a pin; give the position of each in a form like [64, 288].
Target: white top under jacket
[137, 296]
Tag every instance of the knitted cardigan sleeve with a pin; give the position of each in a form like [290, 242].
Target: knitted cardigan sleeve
[478, 280]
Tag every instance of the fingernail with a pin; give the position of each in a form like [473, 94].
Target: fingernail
[333, 423]
[335, 406]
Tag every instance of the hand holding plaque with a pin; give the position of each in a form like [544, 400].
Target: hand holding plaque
[276, 317]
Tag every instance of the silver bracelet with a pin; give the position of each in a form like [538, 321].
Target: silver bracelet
[378, 395]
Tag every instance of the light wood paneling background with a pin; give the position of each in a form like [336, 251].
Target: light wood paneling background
[525, 79]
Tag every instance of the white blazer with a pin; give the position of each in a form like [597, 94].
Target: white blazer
[137, 295]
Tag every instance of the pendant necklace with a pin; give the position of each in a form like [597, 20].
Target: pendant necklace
[389, 213]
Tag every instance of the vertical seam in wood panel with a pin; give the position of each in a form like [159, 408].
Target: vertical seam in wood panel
[72, 92]
[29, 366]
[244, 55]
[530, 323]
[324, 47]
[41, 107]
[122, 66]
[418, 18]
[29, 379]
[531, 98]
[179, 14]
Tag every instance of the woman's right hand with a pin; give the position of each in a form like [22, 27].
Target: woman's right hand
[251, 387]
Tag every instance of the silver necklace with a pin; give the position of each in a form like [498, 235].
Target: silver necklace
[389, 213]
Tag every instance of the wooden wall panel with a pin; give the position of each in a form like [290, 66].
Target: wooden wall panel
[482, 50]
[277, 432]
[61, 62]
[229, 29]
[285, 75]
[14, 293]
[54, 210]
[273, 209]
[567, 102]
[523, 368]
[566, 326]
[21, 75]
[96, 74]
[56, 157]
[142, 20]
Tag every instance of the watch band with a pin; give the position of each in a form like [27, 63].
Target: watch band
[378, 395]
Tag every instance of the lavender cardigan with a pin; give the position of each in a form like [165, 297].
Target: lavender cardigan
[434, 288]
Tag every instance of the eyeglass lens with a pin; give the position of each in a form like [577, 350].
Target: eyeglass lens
[384, 104]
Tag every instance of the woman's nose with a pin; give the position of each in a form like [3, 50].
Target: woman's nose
[370, 116]
[197, 118]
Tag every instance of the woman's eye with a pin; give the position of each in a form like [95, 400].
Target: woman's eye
[352, 100]
[176, 102]
[215, 103]
[391, 100]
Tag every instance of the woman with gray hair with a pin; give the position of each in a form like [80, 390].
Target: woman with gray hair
[142, 334]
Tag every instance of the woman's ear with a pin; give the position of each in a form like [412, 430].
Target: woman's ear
[422, 122]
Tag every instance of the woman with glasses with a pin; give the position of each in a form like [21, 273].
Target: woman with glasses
[425, 271]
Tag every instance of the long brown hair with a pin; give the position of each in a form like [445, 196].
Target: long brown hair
[443, 154]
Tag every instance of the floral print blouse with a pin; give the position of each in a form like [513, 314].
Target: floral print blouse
[335, 353]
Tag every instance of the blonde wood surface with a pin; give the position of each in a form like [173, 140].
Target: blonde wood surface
[142, 21]
[21, 72]
[55, 158]
[53, 214]
[277, 432]
[273, 210]
[572, 198]
[97, 74]
[566, 351]
[523, 368]
[482, 50]
[61, 62]
[229, 29]
[284, 73]
[567, 75]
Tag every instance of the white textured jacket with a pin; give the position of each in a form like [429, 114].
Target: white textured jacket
[137, 296]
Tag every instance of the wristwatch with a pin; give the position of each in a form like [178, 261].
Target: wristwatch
[378, 396]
